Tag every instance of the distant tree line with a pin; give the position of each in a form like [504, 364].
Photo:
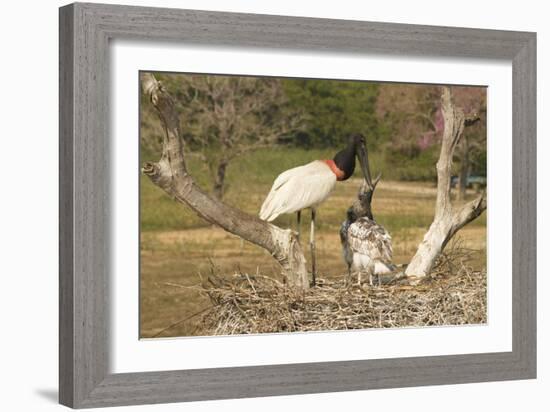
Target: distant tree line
[334, 110]
[224, 117]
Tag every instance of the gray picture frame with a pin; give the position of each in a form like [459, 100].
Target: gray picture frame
[85, 32]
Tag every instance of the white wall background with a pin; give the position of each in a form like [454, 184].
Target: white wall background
[28, 204]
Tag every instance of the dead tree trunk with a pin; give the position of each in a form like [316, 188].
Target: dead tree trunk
[170, 173]
[447, 220]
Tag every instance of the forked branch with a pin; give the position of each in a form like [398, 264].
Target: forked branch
[448, 219]
[170, 173]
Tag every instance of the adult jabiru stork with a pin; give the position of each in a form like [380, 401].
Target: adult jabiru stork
[307, 186]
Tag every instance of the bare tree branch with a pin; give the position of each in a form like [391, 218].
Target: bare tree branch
[227, 117]
[447, 220]
[170, 173]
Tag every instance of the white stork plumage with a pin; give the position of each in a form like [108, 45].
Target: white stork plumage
[299, 188]
[307, 186]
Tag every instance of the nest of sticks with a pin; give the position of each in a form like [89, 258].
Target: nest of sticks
[454, 294]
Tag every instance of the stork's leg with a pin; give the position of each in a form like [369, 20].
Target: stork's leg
[312, 247]
[298, 219]
[371, 272]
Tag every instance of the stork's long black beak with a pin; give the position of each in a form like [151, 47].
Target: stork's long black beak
[364, 161]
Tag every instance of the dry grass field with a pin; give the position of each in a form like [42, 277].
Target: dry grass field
[173, 261]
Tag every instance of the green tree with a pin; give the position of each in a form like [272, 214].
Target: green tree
[333, 110]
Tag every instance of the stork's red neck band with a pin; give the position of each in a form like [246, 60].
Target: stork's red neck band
[339, 173]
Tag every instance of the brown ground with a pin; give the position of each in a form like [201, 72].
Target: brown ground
[173, 260]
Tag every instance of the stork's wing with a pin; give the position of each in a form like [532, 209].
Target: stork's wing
[368, 238]
[297, 189]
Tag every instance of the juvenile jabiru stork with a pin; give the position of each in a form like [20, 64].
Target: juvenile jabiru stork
[366, 245]
[307, 186]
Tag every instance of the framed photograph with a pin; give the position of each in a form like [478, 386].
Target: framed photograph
[256, 205]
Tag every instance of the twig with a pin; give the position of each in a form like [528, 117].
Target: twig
[156, 335]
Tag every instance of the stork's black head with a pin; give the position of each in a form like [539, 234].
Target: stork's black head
[356, 139]
[345, 159]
